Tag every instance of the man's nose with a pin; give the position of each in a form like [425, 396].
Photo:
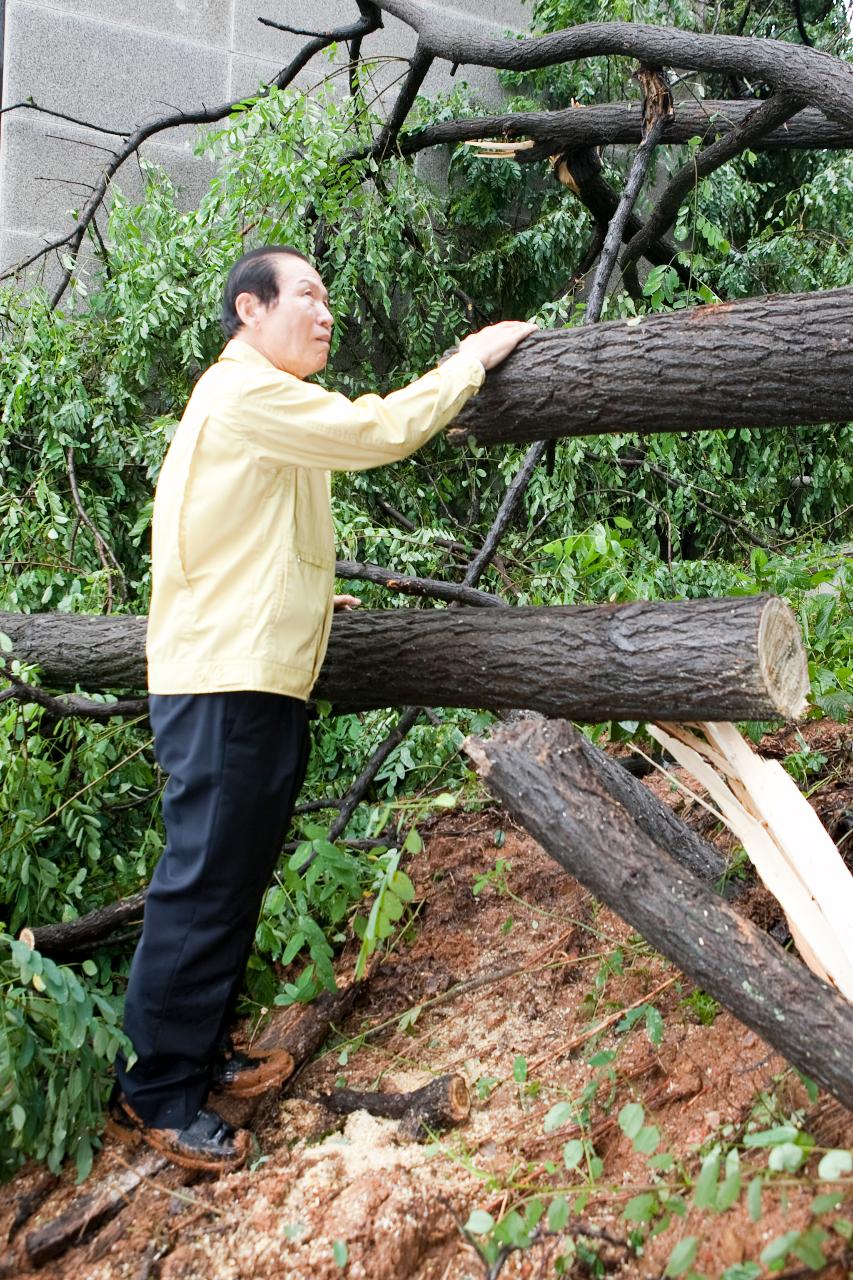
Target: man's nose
[326, 317]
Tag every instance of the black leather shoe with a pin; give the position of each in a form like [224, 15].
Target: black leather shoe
[208, 1142]
[242, 1075]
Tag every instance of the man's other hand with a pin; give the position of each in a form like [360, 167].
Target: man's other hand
[344, 604]
[493, 344]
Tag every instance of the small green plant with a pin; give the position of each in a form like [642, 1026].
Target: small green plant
[58, 1039]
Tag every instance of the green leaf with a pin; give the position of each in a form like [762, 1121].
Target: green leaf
[19, 1116]
[771, 1137]
[742, 1271]
[340, 1252]
[647, 1140]
[479, 1222]
[631, 1119]
[654, 1025]
[641, 1208]
[573, 1153]
[809, 1248]
[413, 842]
[753, 1198]
[777, 1250]
[828, 1202]
[561, 1113]
[558, 1213]
[682, 1256]
[705, 1191]
[786, 1158]
[519, 1069]
[835, 1164]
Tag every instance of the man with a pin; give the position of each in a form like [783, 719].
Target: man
[242, 600]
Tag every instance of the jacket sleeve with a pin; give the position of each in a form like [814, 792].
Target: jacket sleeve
[289, 422]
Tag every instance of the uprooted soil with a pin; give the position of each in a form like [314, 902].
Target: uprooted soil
[544, 949]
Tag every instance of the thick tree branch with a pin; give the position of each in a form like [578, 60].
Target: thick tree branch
[72, 705]
[808, 74]
[621, 122]
[766, 116]
[581, 170]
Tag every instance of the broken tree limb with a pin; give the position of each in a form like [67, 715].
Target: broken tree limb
[438, 1105]
[545, 781]
[766, 362]
[80, 937]
[725, 659]
[88, 1213]
[783, 837]
[607, 123]
[428, 588]
[657, 108]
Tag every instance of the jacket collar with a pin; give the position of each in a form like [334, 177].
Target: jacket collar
[240, 351]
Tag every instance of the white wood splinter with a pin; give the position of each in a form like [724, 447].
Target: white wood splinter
[782, 836]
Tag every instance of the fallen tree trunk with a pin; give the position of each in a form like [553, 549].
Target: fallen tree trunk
[543, 777]
[723, 659]
[767, 362]
[436, 1106]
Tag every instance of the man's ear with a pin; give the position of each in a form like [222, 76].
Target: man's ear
[247, 306]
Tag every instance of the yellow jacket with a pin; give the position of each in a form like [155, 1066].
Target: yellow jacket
[243, 544]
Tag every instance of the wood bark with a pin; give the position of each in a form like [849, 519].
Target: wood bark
[725, 659]
[621, 122]
[765, 362]
[88, 1213]
[80, 937]
[436, 1106]
[542, 776]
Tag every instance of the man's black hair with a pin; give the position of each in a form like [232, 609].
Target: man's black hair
[254, 273]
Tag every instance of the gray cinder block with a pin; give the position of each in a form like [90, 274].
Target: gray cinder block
[206, 21]
[103, 73]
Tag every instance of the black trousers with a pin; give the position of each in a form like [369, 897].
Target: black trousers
[235, 762]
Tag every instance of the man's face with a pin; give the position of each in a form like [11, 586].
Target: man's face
[295, 331]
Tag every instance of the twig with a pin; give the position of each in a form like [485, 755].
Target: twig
[105, 552]
[431, 588]
[72, 704]
[583, 1036]
[367, 22]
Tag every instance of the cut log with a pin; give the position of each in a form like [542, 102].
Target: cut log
[438, 1105]
[686, 371]
[724, 659]
[543, 777]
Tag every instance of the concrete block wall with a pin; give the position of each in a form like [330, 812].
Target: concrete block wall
[117, 66]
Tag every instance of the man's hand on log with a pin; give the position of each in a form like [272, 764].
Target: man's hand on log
[345, 604]
[493, 344]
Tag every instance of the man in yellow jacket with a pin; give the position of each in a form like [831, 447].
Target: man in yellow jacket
[242, 601]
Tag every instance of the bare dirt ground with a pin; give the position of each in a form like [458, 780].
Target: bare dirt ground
[328, 1197]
